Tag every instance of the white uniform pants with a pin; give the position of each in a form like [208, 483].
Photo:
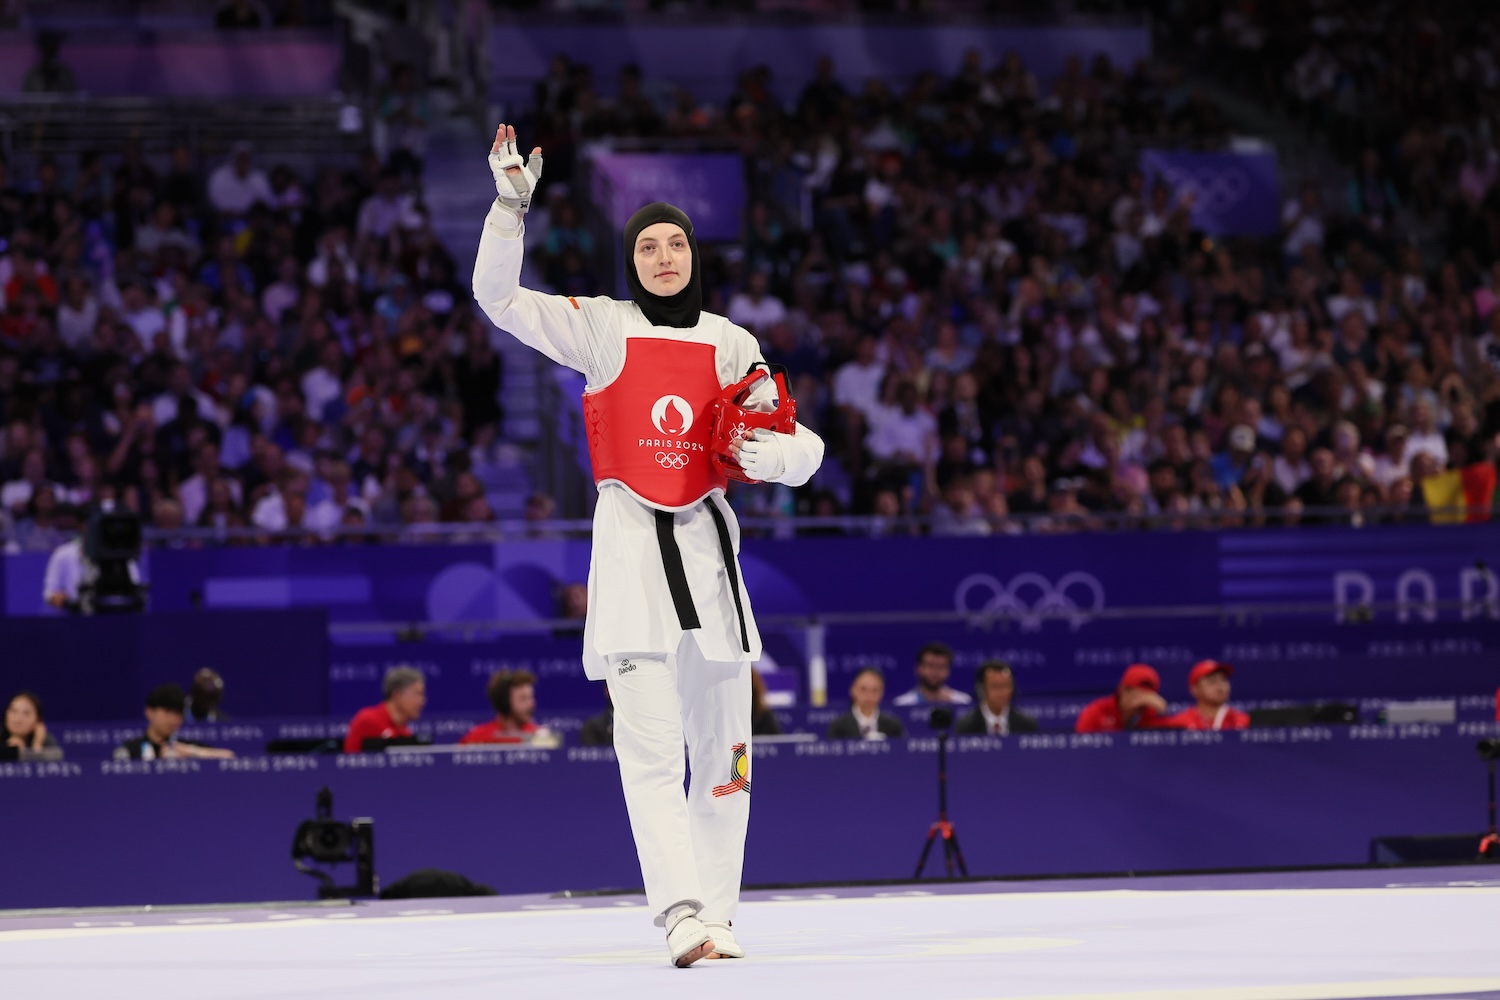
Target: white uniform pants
[691, 846]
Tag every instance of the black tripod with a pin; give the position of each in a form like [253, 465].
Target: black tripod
[941, 719]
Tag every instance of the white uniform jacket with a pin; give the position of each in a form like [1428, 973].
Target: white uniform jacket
[630, 609]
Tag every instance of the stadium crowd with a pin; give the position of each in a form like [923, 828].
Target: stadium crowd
[241, 346]
[993, 314]
[994, 320]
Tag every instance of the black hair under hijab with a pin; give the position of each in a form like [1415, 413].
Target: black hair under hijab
[680, 310]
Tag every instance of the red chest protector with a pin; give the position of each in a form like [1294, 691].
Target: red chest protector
[650, 429]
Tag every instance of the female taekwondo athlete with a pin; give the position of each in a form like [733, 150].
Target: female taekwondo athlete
[669, 626]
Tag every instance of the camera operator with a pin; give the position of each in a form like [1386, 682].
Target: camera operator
[164, 713]
[64, 573]
[70, 571]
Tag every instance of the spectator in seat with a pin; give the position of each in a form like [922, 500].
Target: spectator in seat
[164, 716]
[904, 437]
[405, 693]
[763, 721]
[236, 184]
[1136, 704]
[996, 714]
[205, 697]
[934, 664]
[756, 309]
[865, 720]
[1209, 683]
[599, 731]
[24, 728]
[512, 693]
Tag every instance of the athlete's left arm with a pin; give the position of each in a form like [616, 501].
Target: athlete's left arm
[790, 459]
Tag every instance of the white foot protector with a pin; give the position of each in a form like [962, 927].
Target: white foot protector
[687, 939]
[725, 946]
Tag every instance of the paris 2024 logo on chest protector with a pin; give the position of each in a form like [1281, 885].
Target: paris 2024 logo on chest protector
[672, 417]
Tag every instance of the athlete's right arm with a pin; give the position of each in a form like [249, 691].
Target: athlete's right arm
[552, 324]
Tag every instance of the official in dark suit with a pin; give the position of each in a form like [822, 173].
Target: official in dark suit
[865, 720]
[995, 715]
[599, 731]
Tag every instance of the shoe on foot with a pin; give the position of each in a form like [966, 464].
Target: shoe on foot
[687, 939]
[725, 946]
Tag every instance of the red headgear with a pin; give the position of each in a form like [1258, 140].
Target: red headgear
[731, 421]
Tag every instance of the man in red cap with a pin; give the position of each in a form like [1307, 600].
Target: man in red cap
[1136, 704]
[1209, 683]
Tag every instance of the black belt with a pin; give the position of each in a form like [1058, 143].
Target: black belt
[677, 585]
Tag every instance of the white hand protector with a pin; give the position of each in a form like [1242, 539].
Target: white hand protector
[515, 190]
[762, 456]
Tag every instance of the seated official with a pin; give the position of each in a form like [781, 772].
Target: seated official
[24, 728]
[995, 684]
[405, 693]
[512, 694]
[1136, 704]
[599, 731]
[164, 712]
[934, 664]
[763, 721]
[206, 697]
[1209, 683]
[865, 720]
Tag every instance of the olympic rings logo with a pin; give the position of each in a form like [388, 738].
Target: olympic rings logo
[1031, 598]
[671, 460]
[1214, 191]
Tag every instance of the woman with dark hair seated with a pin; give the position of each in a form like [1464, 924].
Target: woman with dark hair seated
[24, 728]
[763, 721]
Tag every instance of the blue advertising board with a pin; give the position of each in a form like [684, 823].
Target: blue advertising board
[852, 811]
[1434, 629]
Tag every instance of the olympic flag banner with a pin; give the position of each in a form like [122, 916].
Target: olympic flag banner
[1233, 194]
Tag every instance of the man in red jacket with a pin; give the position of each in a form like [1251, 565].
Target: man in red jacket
[1136, 704]
[512, 693]
[405, 693]
[1209, 683]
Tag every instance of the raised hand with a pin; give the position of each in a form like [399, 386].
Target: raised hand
[515, 182]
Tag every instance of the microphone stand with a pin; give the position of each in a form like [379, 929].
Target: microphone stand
[941, 719]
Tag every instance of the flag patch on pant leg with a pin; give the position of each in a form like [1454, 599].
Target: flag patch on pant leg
[739, 774]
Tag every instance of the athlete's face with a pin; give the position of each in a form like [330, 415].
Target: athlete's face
[663, 259]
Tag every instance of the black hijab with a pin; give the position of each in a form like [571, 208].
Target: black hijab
[680, 310]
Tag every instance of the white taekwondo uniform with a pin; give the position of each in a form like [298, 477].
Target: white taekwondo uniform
[669, 685]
